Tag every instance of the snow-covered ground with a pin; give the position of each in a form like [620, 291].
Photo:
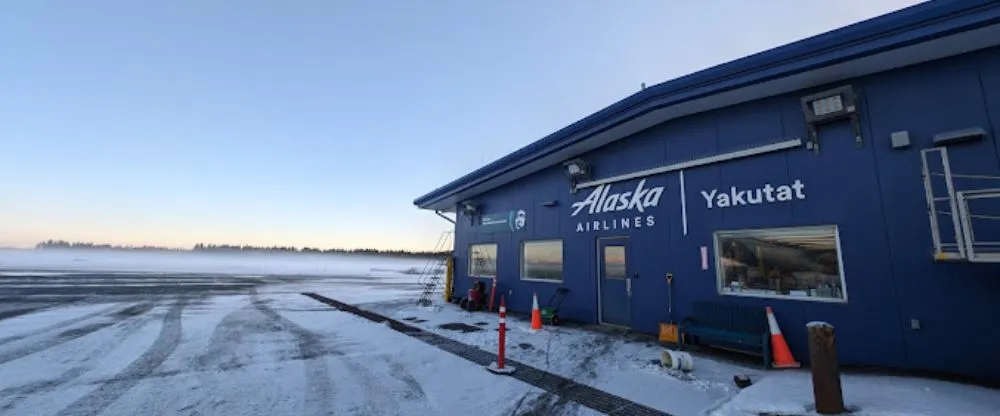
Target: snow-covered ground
[269, 350]
[790, 393]
[232, 355]
[622, 365]
[627, 366]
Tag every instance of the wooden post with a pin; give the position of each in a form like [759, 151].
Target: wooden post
[825, 369]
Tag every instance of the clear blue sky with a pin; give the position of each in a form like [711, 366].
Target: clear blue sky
[317, 122]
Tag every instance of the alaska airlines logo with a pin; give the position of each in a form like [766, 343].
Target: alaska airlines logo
[602, 200]
[519, 219]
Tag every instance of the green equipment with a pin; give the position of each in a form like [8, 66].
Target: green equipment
[550, 313]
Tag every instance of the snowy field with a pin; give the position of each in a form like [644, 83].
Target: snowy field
[42, 261]
[91, 334]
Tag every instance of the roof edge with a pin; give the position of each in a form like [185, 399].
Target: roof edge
[866, 33]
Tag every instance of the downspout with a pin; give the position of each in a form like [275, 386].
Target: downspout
[438, 213]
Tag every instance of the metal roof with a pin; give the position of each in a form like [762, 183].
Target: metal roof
[944, 24]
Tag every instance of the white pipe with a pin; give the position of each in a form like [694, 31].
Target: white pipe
[724, 157]
[438, 213]
[684, 210]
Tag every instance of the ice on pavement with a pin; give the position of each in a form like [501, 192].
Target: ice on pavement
[242, 355]
[276, 352]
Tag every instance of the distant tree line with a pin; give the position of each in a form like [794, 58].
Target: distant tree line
[79, 245]
[227, 248]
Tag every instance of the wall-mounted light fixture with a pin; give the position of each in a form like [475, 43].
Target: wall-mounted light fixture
[470, 210]
[577, 171]
[959, 136]
[828, 106]
[550, 203]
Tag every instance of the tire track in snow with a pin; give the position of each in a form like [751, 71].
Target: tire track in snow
[319, 384]
[548, 403]
[230, 332]
[9, 397]
[397, 371]
[166, 342]
[70, 335]
[60, 324]
[14, 313]
[223, 354]
[220, 355]
[378, 398]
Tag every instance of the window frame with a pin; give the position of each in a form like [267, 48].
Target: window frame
[834, 229]
[562, 262]
[496, 261]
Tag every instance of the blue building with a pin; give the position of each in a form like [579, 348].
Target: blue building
[849, 178]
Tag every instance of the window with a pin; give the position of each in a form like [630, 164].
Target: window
[800, 263]
[614, 262]
[483, 260]
[542, 260]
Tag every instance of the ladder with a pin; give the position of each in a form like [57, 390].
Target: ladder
[436, 270]
[954, 213]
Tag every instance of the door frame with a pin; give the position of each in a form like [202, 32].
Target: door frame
[600, 273]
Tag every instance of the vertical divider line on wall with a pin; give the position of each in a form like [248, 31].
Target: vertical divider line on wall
[684, 211]
[884, 208]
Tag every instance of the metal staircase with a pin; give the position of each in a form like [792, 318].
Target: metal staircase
[437, 270]
[956, 214]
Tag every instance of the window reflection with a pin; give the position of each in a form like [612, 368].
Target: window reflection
[483, 260]
[794, 262]
[614, 262]
[542, 260]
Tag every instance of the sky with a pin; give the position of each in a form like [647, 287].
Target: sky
[317, 122]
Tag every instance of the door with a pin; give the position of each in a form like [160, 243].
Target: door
[615, 288]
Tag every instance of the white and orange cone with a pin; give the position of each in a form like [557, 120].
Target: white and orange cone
[782, 354]
[536, 314]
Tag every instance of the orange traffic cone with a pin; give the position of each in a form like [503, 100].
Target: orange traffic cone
[536, 314]
[782, 355]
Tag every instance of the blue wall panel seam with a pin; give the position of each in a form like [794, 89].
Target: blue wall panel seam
[869, 123]
[986, 103]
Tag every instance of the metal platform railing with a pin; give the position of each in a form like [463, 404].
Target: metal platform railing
[962, 219]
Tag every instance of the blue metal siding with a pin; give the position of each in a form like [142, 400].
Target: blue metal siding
[920, 23]
[950, 300]
[873, 194]
[543, 223]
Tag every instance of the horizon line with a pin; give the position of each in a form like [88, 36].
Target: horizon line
[56, 243]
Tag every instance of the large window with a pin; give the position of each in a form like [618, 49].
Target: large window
[483, 260]
[542, 260]
[800, 263]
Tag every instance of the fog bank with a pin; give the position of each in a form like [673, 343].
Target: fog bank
[253, 263]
